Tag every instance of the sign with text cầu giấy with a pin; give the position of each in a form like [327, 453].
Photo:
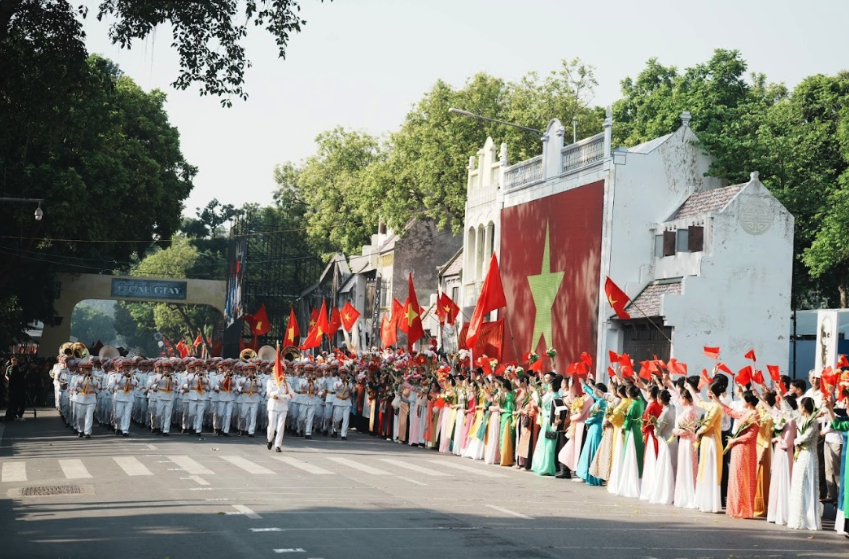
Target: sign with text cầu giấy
[149, 289]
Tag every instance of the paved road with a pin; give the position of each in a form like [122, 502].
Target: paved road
[180, 497]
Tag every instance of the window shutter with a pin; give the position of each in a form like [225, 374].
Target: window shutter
[669, 243]
[696, 242]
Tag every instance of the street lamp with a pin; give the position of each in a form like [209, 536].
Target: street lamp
[39, 213]
[461, 112]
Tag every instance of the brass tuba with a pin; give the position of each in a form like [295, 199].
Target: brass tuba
[291, 353]
[247, 354]
[109, 352]
[80, 351]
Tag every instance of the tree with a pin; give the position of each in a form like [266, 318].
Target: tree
[355, 180]
[207, 35]
[89, 324]
[173, 320]
[108, 148]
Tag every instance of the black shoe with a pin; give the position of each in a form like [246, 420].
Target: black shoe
[268, 445]
[126, 434]
[344, 438]
[333, 436]
[80, 434]
[198, 433]
[118, 432]
[164, 434]
[308, 437]
[277, 449]
[223, 434]
[88, 436]
[183, 431]
[563, 475]
[250, 436]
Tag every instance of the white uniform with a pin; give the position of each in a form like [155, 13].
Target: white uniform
[194, 399]
[279, 395]
[341, 406]
[123, 390]
[164, 386]
[251, 391]
[329, 398]
[224, 387]
[307, 389]
[85, 389]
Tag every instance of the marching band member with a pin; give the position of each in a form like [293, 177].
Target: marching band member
[163, 387]
[341, 403]
[122, 388]
[85, 389]
[225, 390]
[251, 391]
[279, 394]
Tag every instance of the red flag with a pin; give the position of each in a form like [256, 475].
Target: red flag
[278, 366]
[335, 322]
[349, 316]
[313, 319]
[842, 361]
[751, 355]
[261, 325]
[645, 370]
[744, 375]
[828, 381]
[626, 366]
[613, 356]
[312, 340]
[758, 377]
[526, 357]
[411, 320]
[722, 367]
[704, 379]
[198, 340]
[774, 372]
[712, 352]
[572, 369]
[610, 372]
[387, 332]
[677, 368]
[321, 325]
[397, 311]
[183, 348]
[293, 332]
[449, 308]
[616, 298]
[491, 339]
[585, 358]
[491, 298]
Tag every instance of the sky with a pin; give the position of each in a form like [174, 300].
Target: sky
[363, 64]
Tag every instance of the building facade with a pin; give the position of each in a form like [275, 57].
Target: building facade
[703, 263]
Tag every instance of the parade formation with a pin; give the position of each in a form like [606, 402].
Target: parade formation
[749, 443]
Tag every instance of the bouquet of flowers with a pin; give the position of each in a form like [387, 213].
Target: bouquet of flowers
[533, 357]
[778, 426]
[740, 430]
[688, 425]
[701, 423]
[577, 405]
[804, 429]
[551, 352]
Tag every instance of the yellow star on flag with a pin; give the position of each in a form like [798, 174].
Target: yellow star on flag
[290, 333]
[411, 315]
[544, 288]
[347, 317]
[258, 326]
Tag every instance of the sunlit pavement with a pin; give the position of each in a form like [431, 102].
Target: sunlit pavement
[181, 497]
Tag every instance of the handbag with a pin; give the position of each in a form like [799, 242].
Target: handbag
[551, 435]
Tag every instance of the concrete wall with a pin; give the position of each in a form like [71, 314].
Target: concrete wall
[741, 300]
[76, 288]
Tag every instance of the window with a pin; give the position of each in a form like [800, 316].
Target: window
[658, 246]
[696, 242]
[455, 294]
[683, 239]
[669, 243]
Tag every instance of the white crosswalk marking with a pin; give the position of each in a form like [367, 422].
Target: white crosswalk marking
[472, 469]
[74, 469]
[190, 466]
[419, 469]
[358, 466]
[14, 471]
[301, 465]
[247, 465]
[131, 466]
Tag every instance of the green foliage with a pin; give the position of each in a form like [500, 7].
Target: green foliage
[89, 324]
[355, 181]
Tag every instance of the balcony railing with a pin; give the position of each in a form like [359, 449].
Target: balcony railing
[581, 154]
[523, 173]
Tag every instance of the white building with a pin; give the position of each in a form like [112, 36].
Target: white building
[704, 263]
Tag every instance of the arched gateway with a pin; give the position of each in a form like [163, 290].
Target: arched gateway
[74, 288]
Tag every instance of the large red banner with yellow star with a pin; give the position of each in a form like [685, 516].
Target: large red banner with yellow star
[550, 259]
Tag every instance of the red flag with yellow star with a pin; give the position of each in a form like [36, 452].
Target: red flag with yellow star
[446, 309]
[293, 332]
[335, 322]
[349, 316]
[387, 331]
[491, 298]
[321, 325]
[261, 324]
[411, 319]
[617, 299]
